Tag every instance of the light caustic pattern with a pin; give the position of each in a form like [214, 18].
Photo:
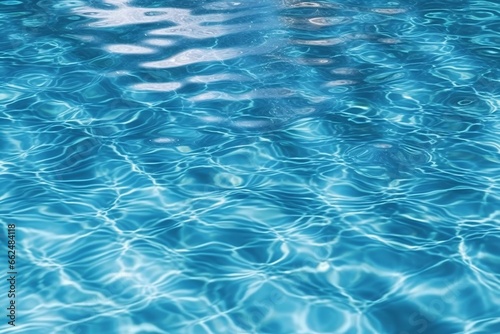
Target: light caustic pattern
[279, 167]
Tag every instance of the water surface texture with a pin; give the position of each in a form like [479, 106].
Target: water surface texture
[266, 166]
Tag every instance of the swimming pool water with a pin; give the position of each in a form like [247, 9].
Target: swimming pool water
[267, 166]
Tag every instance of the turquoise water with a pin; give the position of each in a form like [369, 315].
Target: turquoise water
[267, 166]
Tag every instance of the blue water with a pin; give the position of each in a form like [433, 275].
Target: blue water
[267, 166]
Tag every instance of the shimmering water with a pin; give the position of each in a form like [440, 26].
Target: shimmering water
[266, 166]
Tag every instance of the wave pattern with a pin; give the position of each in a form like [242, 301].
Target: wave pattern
[252, 167]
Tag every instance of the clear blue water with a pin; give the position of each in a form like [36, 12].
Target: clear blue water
[267, 166]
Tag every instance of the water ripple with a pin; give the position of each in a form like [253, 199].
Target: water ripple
[290, 167]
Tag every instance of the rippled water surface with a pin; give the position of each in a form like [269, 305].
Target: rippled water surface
[266, 166]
